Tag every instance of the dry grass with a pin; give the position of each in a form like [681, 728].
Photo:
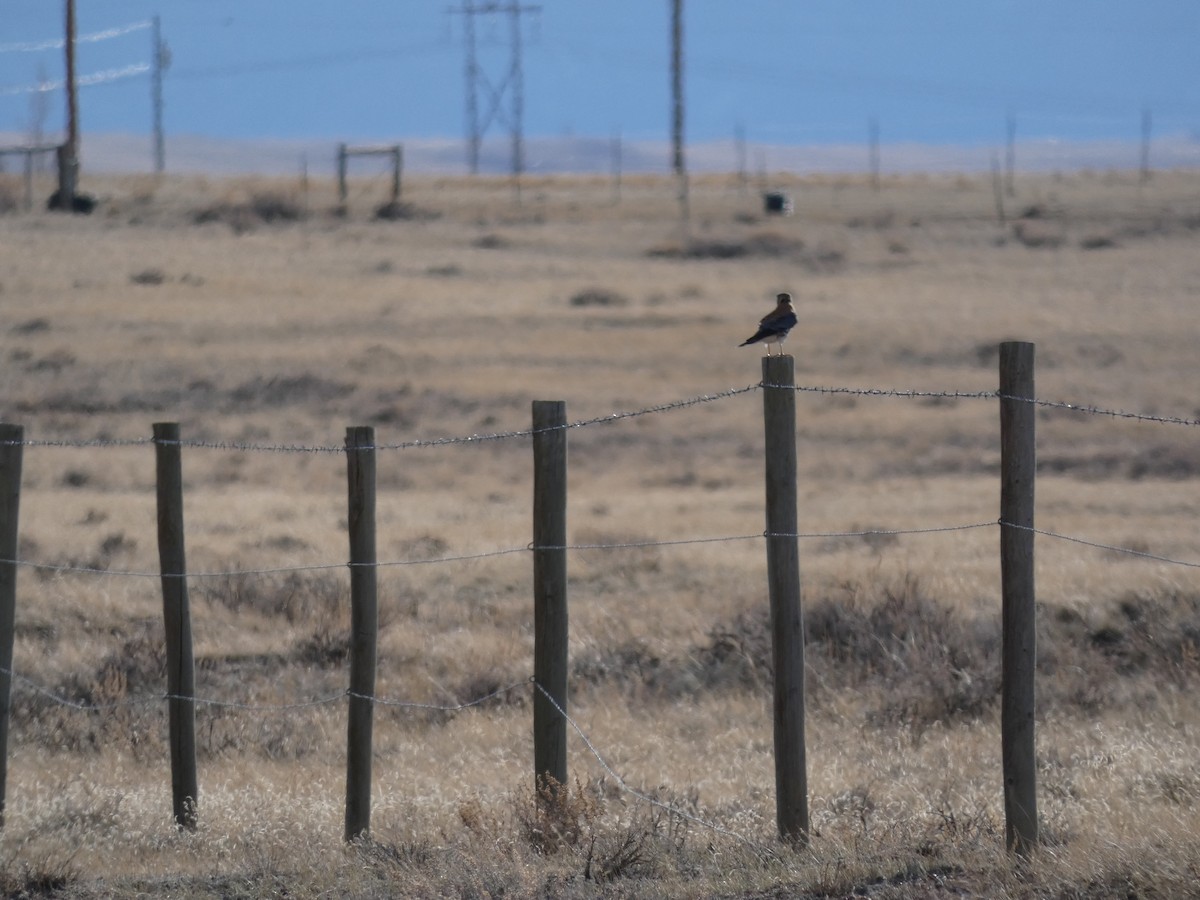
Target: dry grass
[258, 312]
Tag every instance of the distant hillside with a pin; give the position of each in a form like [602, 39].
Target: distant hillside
[121, 153]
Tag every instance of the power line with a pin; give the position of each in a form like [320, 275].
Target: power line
[60, 43]
[102, 77]
[307, 61]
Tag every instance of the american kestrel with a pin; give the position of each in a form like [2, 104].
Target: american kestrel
[774, 327]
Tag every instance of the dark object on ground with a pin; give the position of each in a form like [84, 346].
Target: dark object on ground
[80, 203]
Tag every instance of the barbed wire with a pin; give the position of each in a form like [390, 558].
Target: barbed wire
[641, 795]
[885, 392]
[420, 443]
[1099, 411]
[1088, 409]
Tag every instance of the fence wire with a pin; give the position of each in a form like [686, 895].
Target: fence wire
[58, 568]
[1099, 546]
[610, 418]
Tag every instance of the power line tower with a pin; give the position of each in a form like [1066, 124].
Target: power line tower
[494, 90]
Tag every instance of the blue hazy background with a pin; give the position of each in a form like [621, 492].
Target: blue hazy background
[783, 71]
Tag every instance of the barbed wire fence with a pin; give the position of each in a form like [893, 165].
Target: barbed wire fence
[10, 444]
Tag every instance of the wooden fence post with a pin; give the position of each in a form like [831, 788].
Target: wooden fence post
[783, 583]
[549, 591]
[1018, 462]
[341, 172]
[397, 168]
[181, 684]
[364, 626]
[11, 445]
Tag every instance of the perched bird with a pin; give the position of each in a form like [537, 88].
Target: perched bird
[775, 325]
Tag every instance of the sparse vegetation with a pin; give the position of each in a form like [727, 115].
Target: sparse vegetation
[282, 337]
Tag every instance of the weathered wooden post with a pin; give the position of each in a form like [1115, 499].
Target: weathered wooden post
[364, 626]
[341, 172]
[1018, 463]
[397, 168]
[783, 584]
[181, 684]
[549, 591]
[11, 444]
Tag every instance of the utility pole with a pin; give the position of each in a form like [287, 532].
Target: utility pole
[511, 85]
[1010, 155]
[873, 151]
[1147, 121]
[68, 153]
[678, 163]
[739, 149]
[161, 55]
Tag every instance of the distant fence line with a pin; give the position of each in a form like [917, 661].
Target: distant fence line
[549, 548]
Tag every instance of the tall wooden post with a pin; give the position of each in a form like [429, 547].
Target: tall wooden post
[678, 163]
[364, 626]
[162, 58]
[1010, 155]
[1144, 164]
[1018, 462]
[11, 438]
[181, 684]
[783, 585]
[550, 590]
[68, 153]
[873, 151]
[397, 168]
[341, 172]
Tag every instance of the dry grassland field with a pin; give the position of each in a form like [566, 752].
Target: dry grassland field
[266, 321]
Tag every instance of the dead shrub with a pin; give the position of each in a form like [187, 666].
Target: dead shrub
[492, 242]
[1098, 240]
[598, 297]
[263, 208]
[294, 596]
[1039, 234]
[31, 326]
[398, 211]
[761, 244]
[148, 276]
[556, 815]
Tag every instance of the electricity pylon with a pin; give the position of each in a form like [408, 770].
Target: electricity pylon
[494, 91]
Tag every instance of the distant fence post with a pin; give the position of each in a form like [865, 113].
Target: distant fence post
[1018, 462]
[364, 626]
[550, 590]
[397, 168]
[341, 172]
[783, 583]
[11, 445]
[181, 684]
